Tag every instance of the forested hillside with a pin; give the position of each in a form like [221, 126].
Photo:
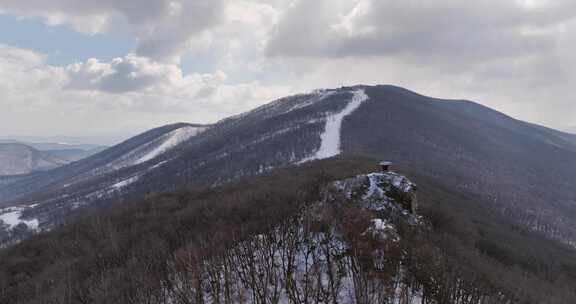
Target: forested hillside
[296, 232]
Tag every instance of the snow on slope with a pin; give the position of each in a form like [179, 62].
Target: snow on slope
[125, 183]
[171, 140]
[12, 217]
[152, 150]
[316, 96]
[330, 138]
[144, 153]
[157, 147]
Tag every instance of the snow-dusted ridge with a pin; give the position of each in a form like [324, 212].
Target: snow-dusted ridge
[158, 146]
[330, 138]
[285, 105]
[124, 183]
[316, 96]
[170, 140]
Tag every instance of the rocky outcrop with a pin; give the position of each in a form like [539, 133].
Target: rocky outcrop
[381, 191]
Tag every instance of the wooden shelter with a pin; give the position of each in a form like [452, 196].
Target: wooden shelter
[385, 165]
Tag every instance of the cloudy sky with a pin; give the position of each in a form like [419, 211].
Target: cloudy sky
[118, 67]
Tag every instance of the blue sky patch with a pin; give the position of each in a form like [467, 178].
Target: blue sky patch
[62, 44]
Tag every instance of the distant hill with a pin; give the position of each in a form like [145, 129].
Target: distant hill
[49, 146]
[22, 158]
[18, 159]
[68, 152]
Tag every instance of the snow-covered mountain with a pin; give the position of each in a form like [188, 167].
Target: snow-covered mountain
[519, 169]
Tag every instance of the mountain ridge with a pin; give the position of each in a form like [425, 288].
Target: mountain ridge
[478, 150]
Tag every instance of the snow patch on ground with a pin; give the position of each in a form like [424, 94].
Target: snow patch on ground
[380, 224]
[384, 230]
[12, 217]
[373, 189]
[330, 138]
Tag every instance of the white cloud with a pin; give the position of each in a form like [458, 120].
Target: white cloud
[148, 87]
[130, 94]
[22, 73]
[128, 74]
[434, 30]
